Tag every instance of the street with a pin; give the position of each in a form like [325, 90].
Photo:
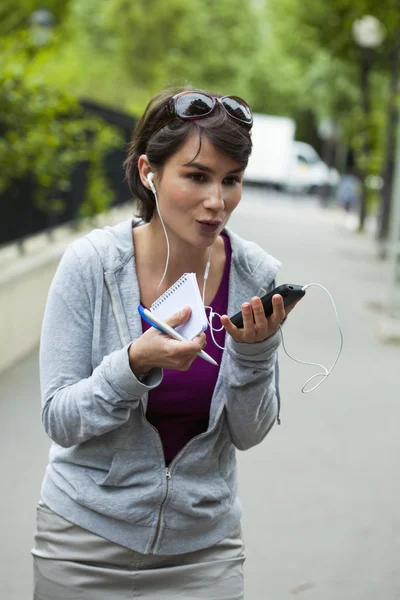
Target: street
[320, 493]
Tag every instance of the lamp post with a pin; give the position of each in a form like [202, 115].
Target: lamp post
[41, 24]
[393, 113]
[389, 330]
[368, 33]
[394, 241]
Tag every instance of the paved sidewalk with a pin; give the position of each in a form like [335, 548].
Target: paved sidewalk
[321, 494]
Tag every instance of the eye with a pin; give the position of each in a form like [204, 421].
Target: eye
[197, 177]
[232, 180]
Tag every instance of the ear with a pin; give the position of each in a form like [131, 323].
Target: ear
[144, 170]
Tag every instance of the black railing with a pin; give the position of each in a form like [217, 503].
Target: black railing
[21, 218]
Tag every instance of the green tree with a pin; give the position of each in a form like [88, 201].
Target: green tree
[309, 28]
[15, 15]
[120, 52]
[44, 133]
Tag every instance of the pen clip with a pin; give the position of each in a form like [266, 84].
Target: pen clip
[146, 318]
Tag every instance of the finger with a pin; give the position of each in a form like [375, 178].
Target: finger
[260, 319]
[200, 339]
[184, 349]
[179, 354]
[198, 344]
[230, 327]
[186, 365]
[278, 313]
[179, 317]
[248, 322]
[247, 315]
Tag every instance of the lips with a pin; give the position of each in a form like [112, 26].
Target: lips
[210, 223]
[209, 227]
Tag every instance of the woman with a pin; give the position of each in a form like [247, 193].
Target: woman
[140, 494]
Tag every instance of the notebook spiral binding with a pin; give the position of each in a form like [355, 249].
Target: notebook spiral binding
[169, 292]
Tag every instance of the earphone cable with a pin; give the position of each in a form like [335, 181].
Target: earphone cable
[166, 237]
[207, 269]
[326, 371]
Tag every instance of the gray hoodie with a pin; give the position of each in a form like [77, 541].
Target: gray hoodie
[106, 470]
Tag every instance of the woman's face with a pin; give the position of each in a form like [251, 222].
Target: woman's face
[197, 197]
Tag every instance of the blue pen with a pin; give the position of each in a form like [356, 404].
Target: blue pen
[164, 328]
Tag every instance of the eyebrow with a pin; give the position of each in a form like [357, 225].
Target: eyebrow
[206, 169]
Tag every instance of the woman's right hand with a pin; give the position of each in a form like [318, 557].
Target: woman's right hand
[156, 349]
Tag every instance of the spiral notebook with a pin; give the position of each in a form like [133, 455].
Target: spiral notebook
[184, 292]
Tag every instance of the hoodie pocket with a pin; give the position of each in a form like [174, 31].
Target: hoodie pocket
[127, 470]
[197, 501]
[128, 491]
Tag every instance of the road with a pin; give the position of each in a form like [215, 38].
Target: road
[321, 494]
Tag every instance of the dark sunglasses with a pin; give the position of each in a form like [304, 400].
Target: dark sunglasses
[190, 106]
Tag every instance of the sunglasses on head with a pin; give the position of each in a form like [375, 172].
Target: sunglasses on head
[190, 106]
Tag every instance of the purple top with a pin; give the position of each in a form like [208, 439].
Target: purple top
[179, 407]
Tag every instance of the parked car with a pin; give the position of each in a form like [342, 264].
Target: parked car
[279, 161]
[308, 172]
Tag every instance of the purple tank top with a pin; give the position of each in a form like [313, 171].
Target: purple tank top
[179, 407]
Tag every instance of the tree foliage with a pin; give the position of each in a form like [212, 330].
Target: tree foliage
[121, 52]
[15, 15]
[319, 37]
[288, 57]
[44, 133]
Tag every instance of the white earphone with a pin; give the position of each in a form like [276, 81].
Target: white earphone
[150, 177]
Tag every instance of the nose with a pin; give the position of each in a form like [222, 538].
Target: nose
[215, 199]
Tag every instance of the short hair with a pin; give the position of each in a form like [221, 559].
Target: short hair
[160, 137]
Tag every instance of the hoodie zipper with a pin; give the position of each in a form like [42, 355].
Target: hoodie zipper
[168, 470]
[167, 473]
[157, 533]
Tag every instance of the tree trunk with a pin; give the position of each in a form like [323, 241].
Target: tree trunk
[390, 151]
[366, 146]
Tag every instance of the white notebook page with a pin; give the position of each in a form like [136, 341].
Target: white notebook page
[184, 292]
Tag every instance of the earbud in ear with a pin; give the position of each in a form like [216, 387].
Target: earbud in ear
[150, 177]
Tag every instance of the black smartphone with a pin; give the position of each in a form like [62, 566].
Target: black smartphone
[289, 292]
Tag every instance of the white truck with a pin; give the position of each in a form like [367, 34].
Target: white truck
[271, 157]
[280, 161]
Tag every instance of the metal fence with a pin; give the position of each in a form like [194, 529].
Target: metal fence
[21, 218]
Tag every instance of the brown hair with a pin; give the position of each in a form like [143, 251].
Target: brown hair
[159, 138]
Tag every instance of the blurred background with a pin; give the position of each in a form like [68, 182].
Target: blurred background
[322, 193]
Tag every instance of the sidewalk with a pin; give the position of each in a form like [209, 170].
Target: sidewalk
[321, 494]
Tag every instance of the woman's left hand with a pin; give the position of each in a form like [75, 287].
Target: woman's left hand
[256, 326]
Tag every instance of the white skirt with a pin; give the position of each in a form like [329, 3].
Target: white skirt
[71, 563]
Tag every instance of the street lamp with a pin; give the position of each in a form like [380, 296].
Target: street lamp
[368, 33]
[41, 23]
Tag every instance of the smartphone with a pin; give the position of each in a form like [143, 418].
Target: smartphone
[289, 292]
